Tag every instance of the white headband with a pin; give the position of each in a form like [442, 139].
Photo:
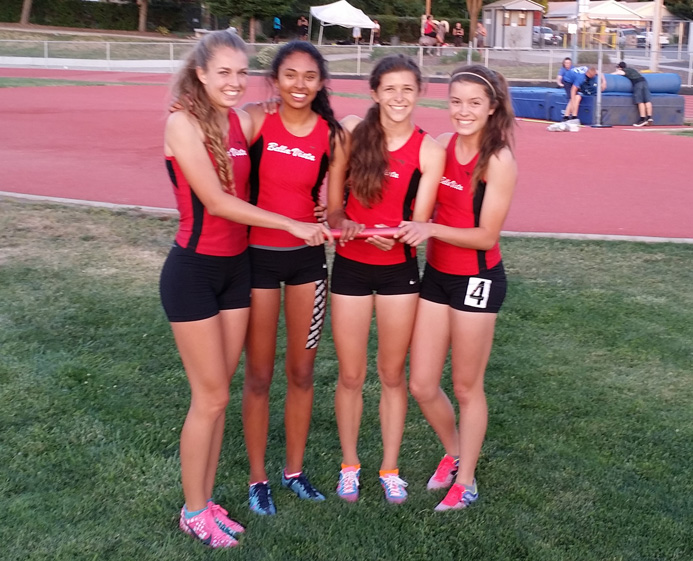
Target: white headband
[476, 76]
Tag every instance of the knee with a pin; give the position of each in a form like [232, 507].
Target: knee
[211, 404]
[258, 382]
[392, 378]
[352, 381]
[301, 378]
[467, 394]
[422, 391]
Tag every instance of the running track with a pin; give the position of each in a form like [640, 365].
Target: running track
[105, 144]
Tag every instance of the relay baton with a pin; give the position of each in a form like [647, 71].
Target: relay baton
[368, 232]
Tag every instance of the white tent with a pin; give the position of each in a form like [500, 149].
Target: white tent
[340, 13]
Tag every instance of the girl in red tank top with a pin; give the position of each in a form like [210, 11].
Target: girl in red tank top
[394, 170]
[292, 151]
[464, 282]
[204, 282]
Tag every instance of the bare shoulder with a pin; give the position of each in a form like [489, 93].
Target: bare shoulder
[503, 157]
[246, 123]
[179, 123]
[432, 146]
[502, 164]
[350, 121]
[444, 139]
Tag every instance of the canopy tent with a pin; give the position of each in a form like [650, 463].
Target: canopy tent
[340, 13]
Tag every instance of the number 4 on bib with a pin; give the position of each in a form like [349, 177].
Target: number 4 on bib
[477, 292]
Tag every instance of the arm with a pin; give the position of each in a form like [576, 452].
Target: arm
[183, 139]
[501, 178]
[336, 217]
[559, 78]
[602, 81]
[432, 156]
[257, 114]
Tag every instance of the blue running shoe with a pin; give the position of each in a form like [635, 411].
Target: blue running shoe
[348, 486]
[260, 499]
[394, 487]
[302, 487]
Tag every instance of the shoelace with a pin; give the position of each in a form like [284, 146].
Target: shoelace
[393, 484]
[218, 510]
[349, 481]
[262, 492]
[302, 480]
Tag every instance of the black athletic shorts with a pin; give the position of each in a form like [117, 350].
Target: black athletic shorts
[271, 267]
[352, 278]
[484, 292]
[194, 286]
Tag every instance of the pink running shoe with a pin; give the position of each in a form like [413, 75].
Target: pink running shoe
[395, 488]
[445, 473]
[204, 527]
[227, 524]
[348, 486]
[459, 496]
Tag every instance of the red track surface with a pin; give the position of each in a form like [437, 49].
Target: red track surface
[105, 144]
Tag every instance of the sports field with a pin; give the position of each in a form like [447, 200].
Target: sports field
[588, 454]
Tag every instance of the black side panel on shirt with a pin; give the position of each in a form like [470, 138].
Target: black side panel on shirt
[198, 216]
[315, 191]
[412, 189]
[478, 201]
[171, 173]
[255, 154]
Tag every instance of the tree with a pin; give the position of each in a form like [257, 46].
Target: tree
[26, 12]
[144, 5]
[251, 9]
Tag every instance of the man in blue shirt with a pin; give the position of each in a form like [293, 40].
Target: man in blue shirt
[584, 83]
[276, 28]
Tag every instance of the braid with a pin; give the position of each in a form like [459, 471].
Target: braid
[321, 106]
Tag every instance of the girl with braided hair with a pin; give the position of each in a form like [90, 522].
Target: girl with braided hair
[394, 171]
[464, 282]
[292, 150]
[205, 281]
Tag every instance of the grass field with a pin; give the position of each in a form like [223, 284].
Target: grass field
[589, 452]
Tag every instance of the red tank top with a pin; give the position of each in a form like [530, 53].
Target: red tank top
[400, 185]
[200, 231]
[288, 171]
[457, 207]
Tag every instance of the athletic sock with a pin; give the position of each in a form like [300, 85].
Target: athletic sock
[384, 472]
[189, 514]
[292, 475]
[355, 467]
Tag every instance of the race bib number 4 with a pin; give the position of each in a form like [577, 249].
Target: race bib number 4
[477, 292]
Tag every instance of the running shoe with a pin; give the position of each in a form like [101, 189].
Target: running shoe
[205, 528]
[459, 496]
[230, 526]
[641, 123]
[650, 120]
[394, 487]
[348, 486]
[445, 473]
[260, 499]
[302, 487]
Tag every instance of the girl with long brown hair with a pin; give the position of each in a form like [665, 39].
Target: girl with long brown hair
[205, 281]
[394, 170]
[464, 283]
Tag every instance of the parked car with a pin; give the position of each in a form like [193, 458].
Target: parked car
[627, 38]
[545, 33]
[645, 39]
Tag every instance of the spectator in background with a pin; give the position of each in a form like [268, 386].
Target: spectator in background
[458, 34]
[584, 84]
[276, 28]
[376, 32]
[429, 28]
[302, 24]
[480, 35]
[641, 93]
[356, 34]
[562, 71]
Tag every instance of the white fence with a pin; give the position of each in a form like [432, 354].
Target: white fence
[515, 64]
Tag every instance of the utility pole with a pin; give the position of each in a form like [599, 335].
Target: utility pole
[654, 37]
[428, 7]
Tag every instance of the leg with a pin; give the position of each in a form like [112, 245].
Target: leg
[648, 109]
[429, 348]
[234, 325]
[395, 318]
[472, 338]
[351, 319]
[260, 350]
[299, 303]
[201, 346]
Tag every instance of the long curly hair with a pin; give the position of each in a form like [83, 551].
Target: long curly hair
[369, 156]
[321, 103]
[191, 94]
[499, 131]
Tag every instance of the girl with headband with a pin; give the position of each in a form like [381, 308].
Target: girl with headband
[464, 283]
[394, 170]
[205, 281]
